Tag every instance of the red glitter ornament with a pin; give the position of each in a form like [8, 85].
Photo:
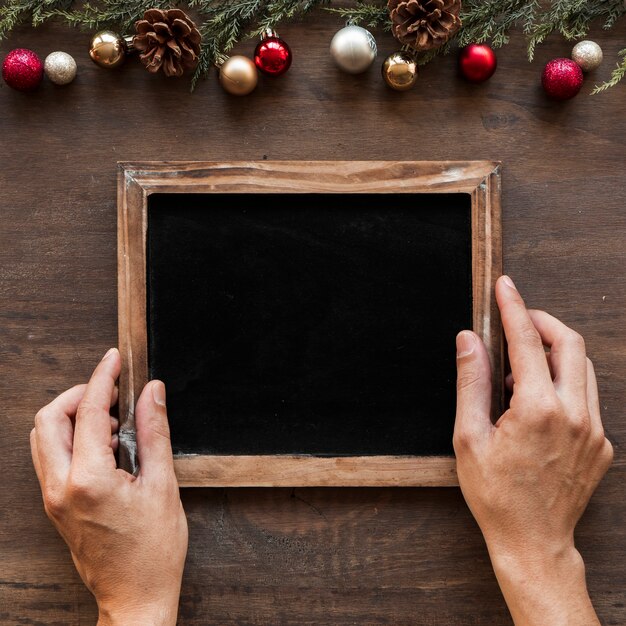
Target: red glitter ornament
[272, 55]
[562, 79]
[477, 62]
[22, 69]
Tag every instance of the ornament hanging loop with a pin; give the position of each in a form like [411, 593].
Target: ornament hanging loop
[268, 32]
[129, 40]
[409, 50]
[220, 59]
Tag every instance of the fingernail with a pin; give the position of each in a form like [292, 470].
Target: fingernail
[465, 343]
[507, 281]
[109, 353]
[158, 392]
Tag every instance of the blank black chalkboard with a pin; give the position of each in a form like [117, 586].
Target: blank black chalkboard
[308, 323]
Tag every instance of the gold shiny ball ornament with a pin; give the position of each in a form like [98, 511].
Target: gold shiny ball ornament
[400, 71]
[108, 49]
[238, 75]
[587, 54]
[60, 68]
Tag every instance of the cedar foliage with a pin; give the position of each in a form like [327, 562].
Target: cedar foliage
[223, 23]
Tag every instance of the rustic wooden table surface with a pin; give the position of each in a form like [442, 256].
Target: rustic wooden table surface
[303, 556]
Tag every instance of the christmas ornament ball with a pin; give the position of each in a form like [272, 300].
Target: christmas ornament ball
[108, 49]
[477, 62]
[22, 69]
[587, 54]
[60, 68]
[562, 79]
[400, 71]
[272, 56]
[353, 49]
[238, 75]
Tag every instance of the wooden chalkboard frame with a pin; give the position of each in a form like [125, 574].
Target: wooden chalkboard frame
[137, 181]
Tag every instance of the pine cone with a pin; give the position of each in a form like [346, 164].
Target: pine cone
[424, 24]
[168, 40]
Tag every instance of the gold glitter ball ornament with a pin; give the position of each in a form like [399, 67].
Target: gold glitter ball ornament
[587, 54]
[400, 71]
[238, 75]
[108, 49]
[60, 67]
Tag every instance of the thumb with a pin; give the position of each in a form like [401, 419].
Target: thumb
[154, 447]
[473, 394]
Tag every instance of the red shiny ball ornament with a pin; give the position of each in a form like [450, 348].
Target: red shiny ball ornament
[562, 79]
[272, 56]
[22, 69]
[477, 62]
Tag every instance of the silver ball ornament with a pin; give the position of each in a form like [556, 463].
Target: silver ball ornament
[587, 54]
[353, 49]
[60, 68]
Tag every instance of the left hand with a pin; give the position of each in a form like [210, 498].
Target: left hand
[127, 535]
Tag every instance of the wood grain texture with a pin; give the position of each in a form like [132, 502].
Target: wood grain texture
[312, 471]
[302, 556]
[136, 181]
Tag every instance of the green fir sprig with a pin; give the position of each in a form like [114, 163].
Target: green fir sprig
[493, 21]
[223, 23]
[366, 15]
[618, 73]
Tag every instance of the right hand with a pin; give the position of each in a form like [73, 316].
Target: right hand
[528, 478]
[127, 535]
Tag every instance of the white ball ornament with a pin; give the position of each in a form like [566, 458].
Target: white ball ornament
[587, 54]
[353, 49]
[60, 68]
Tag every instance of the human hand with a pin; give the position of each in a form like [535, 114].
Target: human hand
[528, 478]
[127, 535]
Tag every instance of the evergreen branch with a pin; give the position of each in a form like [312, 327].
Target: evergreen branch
[493, 19]
[618, 73]
[424, 58]
[226, 24]
[221, 30]
[368, 15]
[283, 10]
[16, 12]
[572, 18]
[223, 23]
